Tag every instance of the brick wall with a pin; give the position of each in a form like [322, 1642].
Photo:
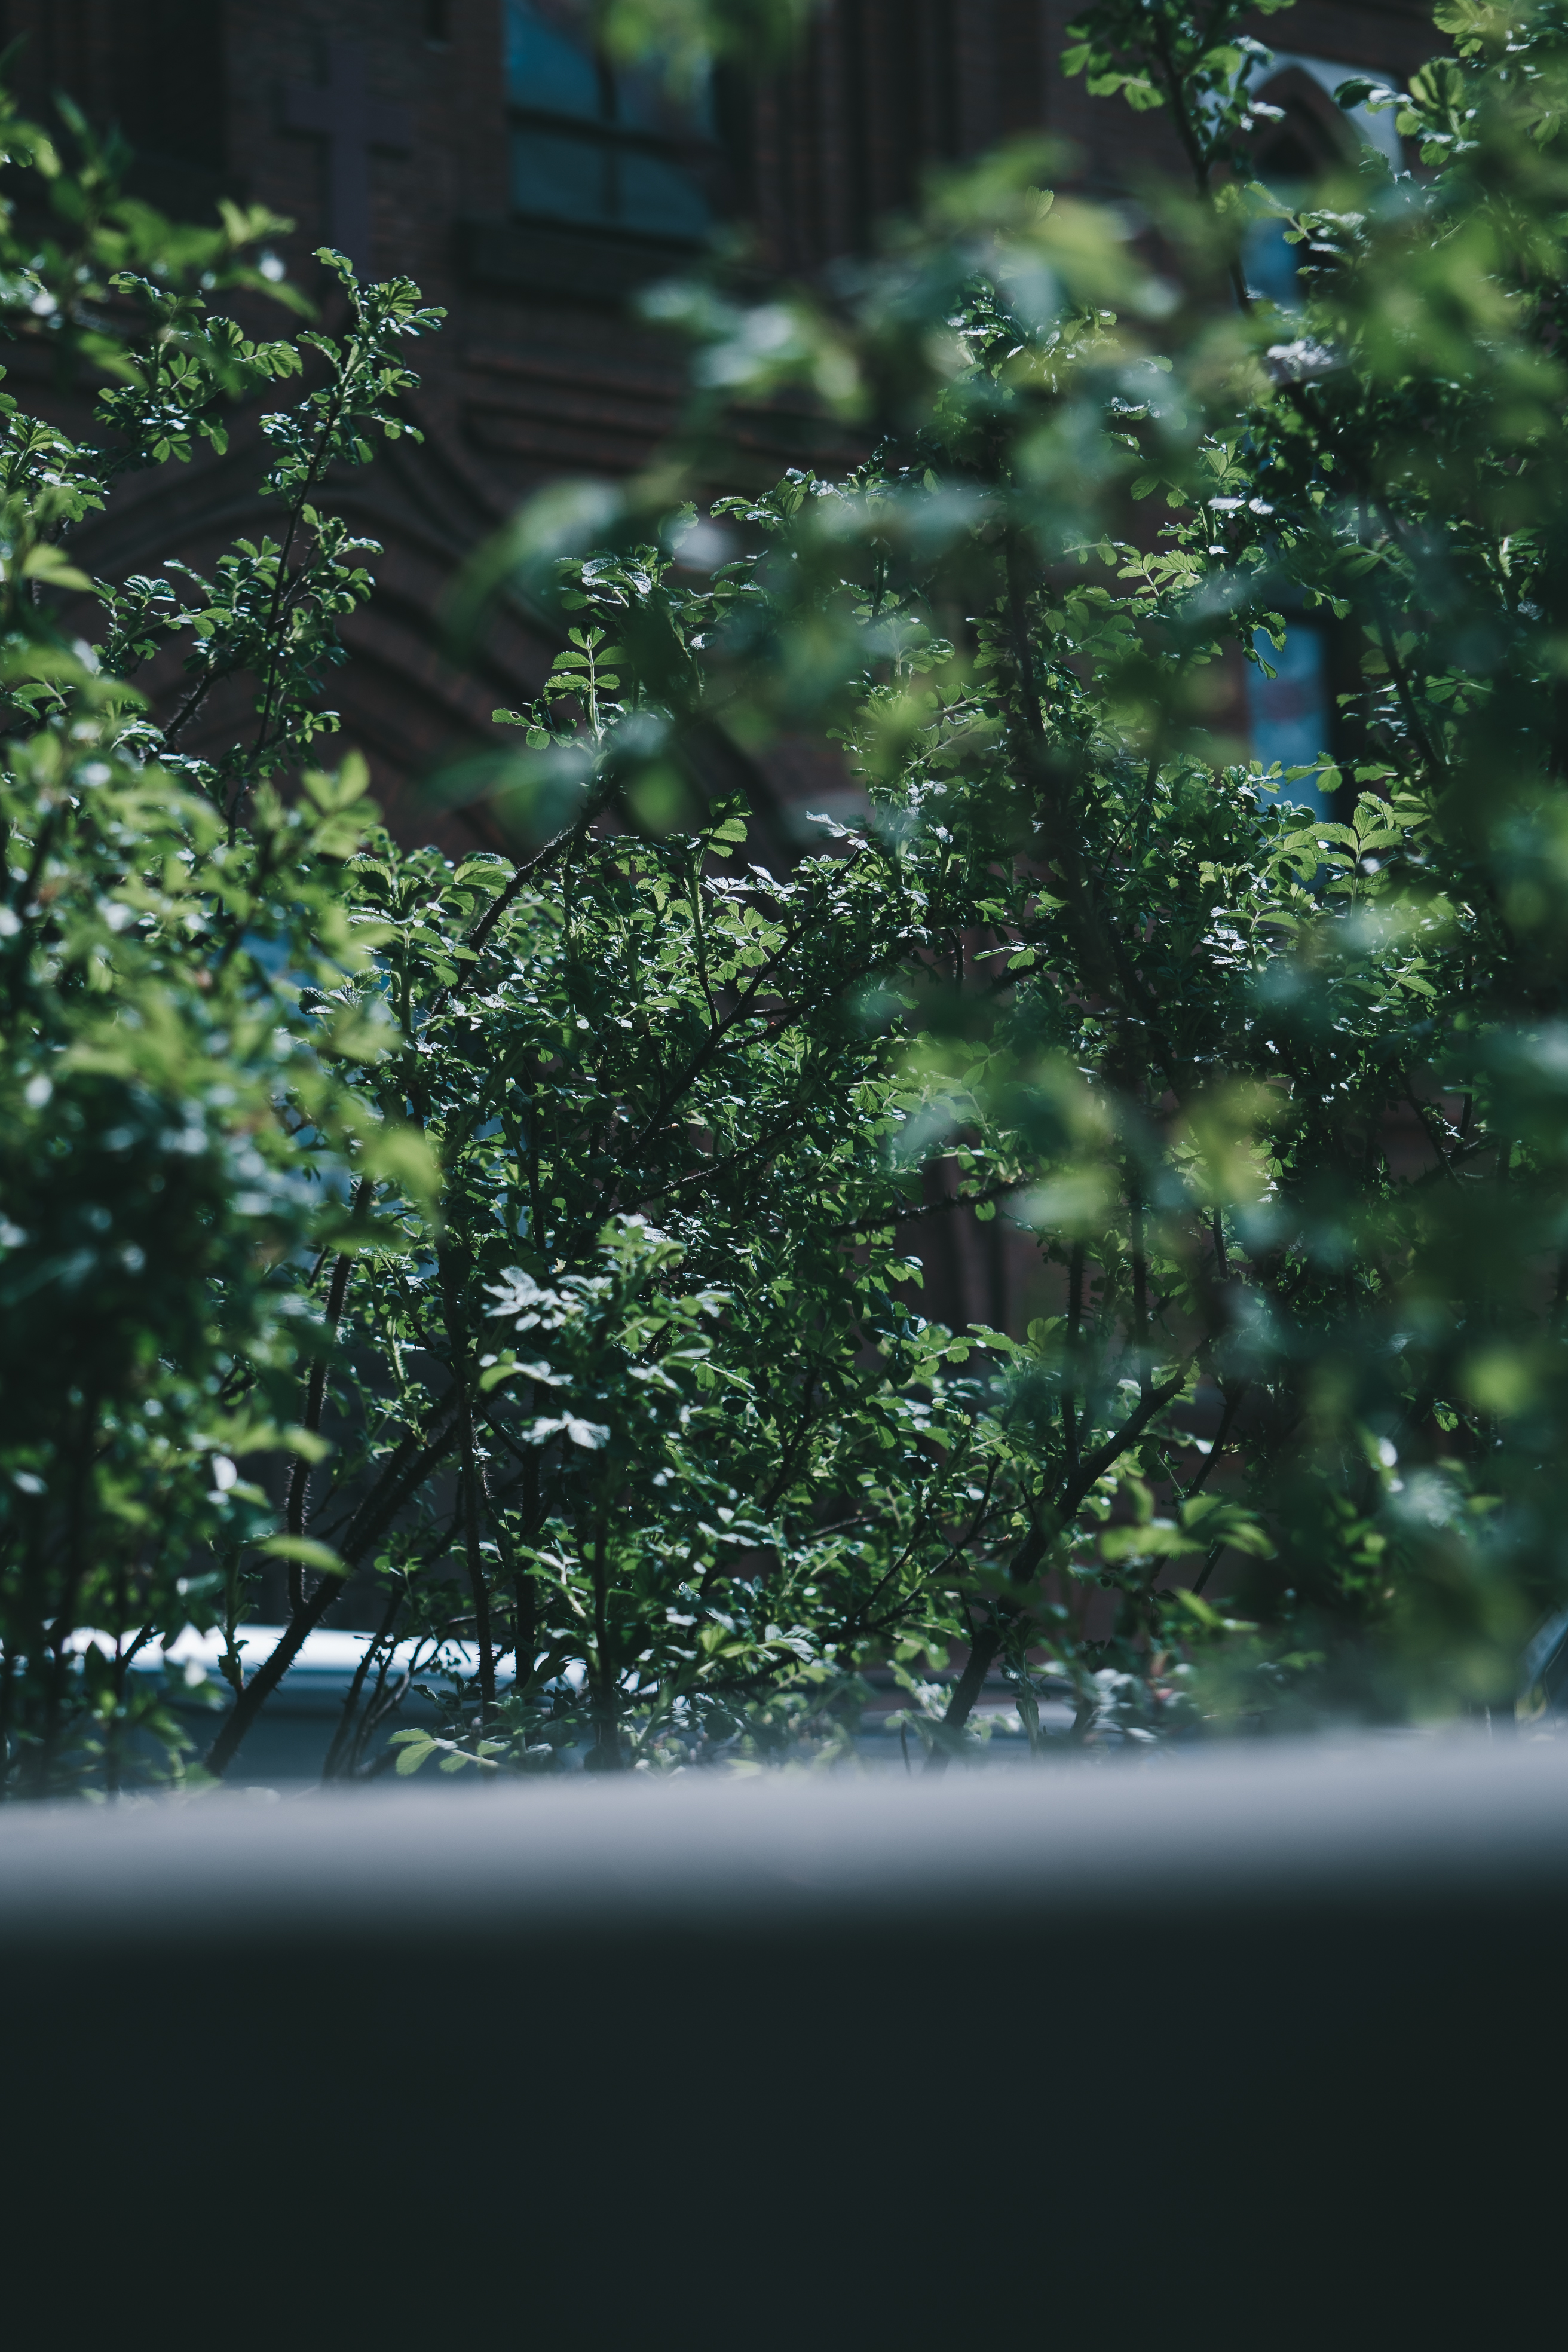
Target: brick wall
[541, 369]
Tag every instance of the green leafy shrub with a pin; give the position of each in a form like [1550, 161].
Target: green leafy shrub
[1276, 1082]
[556, 1216]
[174, 1129]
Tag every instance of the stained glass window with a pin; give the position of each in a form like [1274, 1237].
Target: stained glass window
[598, 144]
[1289, 712]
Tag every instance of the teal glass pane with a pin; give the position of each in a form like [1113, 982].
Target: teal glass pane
[644, 102]
[657, 198]
[549, 65]
[1288, 712]
[561, 178]
[1272, 268]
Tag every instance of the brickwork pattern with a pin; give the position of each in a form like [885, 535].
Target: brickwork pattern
[541, 370]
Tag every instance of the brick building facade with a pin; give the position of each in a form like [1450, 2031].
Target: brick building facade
[475, 146]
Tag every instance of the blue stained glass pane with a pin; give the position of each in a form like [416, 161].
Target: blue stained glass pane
[658, 198]
[561, 177]
[548, 62]
[1272, 268]
[644, 102]
[1289, 711]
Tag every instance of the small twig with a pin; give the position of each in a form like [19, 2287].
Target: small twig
[477, 1569]
[350, 1704]
[315, 1399]
[1232, 1406]
[930, 1209]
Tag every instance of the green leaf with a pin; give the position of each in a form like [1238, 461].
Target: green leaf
[306, 1550]
[51, 569]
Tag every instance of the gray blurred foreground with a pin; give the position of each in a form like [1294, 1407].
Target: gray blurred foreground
[1256, 2050]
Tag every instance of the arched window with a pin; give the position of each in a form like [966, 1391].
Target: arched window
[1308, 143]
[602, 145]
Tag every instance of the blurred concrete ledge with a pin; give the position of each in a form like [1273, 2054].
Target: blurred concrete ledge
[1254, 2046]
[1458, 1822]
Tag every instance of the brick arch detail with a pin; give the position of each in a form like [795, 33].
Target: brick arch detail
[1309, 112]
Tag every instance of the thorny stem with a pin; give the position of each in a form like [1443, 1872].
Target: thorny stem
[477, 1567]
[1397, 671]
[675, 1089]
[1107, 965]
[1075, 1324]
[983, 1649]
[267, 1677]
[1141, 1300]
[369, 1523]
[1117, 1444]
[315, 1399]
[1060, 839]
[865, 1623]
[606, 1743]
[791, 1450]
[902, 1216]
[1196, 153]
[1222, 1434]
[280, 582]
[192, 703]
[523, 872]
[350, 1704]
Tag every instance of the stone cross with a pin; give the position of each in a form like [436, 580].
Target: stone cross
[341, 111]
